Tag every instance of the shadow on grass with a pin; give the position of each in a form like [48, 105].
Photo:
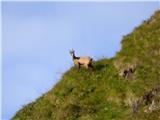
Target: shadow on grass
[99, 67]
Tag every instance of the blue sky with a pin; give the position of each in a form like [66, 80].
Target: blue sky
[37, 36]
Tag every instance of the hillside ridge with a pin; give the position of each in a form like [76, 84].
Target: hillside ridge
[124, 87]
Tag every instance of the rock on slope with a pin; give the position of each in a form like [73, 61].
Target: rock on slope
[103, 94]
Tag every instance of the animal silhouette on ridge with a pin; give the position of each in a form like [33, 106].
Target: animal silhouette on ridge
[81, 61]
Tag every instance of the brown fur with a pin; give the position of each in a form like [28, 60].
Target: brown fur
[81, 61]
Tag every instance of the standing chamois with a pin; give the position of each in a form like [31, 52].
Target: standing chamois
[81, 61]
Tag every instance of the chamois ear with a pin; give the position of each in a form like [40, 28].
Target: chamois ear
[72, 51]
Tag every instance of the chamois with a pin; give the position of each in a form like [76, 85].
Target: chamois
[81, 61]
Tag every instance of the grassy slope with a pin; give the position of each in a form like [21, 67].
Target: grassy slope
[102, 94]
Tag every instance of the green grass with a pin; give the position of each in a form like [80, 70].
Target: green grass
[101, 94]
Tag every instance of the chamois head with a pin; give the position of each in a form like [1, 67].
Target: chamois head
[72, 53]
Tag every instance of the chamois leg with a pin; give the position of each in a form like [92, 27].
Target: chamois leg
[90, 66]
[86, 66]
[79, 66]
